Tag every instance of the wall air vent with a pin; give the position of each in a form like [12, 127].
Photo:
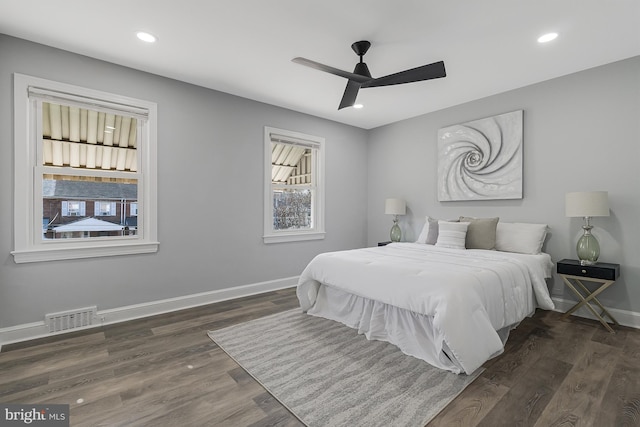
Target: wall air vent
[71, 319]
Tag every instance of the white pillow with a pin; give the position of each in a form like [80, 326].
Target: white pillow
[520, 237]
[452, 234]
[429, 233]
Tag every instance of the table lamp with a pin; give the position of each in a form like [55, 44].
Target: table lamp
[395, 207]
[587, 204]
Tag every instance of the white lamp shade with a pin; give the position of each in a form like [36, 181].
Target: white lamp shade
[395, 207]
[587, 204]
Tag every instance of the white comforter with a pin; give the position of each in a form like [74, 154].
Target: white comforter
[470, 294]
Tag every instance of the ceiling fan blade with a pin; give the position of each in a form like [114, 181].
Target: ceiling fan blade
[425, 72]
[350, 94]
[328, 69]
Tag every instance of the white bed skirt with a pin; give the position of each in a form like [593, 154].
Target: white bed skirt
[412, 333]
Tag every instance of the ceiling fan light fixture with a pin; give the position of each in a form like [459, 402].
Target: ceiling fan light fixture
[545, 38]
[146, 37]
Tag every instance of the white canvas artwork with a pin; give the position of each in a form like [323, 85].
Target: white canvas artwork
[481, 159]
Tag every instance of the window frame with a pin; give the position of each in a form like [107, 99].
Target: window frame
[28, 244]
[317, 144]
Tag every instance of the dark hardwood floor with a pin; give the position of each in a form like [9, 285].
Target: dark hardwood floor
[165, 371]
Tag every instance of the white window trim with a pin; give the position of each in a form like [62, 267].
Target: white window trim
[318, 232]
[27, 246]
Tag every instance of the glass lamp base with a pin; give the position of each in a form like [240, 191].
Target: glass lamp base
[396, 233]
[588, 248]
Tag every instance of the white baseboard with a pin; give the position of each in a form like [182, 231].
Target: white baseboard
[29, 331]
[624, 317]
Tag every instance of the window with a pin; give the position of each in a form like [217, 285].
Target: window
[105, 208]
[73, 208]
[82, 157]
[294, 190]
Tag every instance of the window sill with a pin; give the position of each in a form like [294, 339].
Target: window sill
[38, 255]
[293, 237]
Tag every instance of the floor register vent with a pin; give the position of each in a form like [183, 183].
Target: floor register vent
[72, 319]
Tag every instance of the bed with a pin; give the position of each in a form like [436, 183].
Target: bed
[452, 307]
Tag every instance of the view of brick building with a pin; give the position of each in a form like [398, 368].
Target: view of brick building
[81, 208]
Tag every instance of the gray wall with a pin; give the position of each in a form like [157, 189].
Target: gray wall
[581, 133]
[210, 197]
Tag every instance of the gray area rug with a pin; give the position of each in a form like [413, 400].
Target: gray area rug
[328, 375]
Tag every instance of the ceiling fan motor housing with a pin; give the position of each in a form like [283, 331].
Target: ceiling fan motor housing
[362, 69]
[360, 48]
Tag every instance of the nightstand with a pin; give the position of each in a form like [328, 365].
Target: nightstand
[383, 243]
[573, 274]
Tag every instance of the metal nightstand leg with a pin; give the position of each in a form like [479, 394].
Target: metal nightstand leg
[589, 297]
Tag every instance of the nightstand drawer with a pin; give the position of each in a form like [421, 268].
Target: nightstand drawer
[600, 270]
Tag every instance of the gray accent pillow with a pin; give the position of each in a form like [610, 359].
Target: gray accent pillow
[432, 234]
[481, 233]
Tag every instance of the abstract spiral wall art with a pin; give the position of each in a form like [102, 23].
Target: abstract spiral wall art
[481, 159]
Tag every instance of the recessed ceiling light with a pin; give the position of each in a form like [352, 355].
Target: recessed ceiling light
[358, 106]
[146, 37]
[547, 37]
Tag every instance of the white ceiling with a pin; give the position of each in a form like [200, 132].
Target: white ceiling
[245, 47]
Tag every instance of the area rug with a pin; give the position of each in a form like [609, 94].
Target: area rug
[328, 375]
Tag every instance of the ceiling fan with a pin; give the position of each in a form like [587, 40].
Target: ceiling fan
[361, 77]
